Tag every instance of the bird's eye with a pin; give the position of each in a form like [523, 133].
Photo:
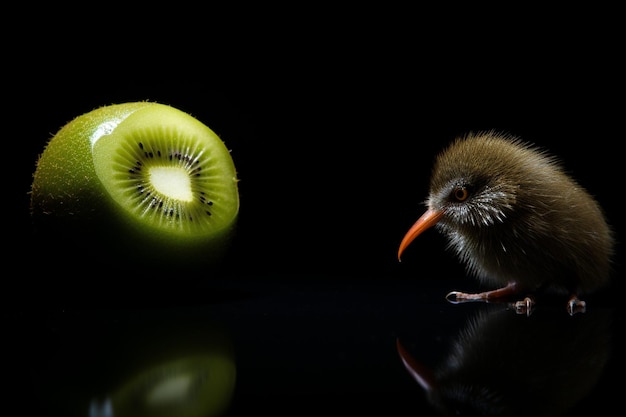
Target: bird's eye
[461, 193]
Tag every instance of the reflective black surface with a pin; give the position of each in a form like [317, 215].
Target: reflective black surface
[307, 308]
[305, 345]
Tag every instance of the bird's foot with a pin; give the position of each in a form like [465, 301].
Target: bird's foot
[575, 305]
[525, 306]
[456, 297]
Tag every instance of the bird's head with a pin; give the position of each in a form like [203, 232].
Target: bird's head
[475, 185]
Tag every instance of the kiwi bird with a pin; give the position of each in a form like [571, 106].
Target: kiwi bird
[517, 220]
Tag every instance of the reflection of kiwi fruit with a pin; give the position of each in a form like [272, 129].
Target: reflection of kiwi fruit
[194, 386]
[137, 178]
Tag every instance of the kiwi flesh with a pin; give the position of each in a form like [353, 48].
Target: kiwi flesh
[142, 180]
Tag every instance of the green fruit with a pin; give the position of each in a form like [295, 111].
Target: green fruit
[141, 179]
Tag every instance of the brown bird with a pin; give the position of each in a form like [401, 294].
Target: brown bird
[517, 221]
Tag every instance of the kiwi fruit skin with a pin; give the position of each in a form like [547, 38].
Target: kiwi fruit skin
[73, 210]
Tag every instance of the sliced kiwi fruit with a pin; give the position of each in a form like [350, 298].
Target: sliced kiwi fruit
[142, 180]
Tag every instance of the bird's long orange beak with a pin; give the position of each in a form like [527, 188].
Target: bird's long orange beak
[428, 220]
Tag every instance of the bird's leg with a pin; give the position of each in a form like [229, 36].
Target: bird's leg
[524, 306]
[576, 305]
[486, 296]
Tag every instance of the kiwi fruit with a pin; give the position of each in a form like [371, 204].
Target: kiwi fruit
[143, 180]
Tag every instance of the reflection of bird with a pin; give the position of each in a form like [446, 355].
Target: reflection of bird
[501, 364]
[516, 219]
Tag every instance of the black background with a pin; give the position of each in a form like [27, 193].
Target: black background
[333, 124]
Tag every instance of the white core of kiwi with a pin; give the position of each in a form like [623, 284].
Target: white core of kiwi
[172, 182]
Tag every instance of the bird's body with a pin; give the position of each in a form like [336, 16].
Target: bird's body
[516, 219]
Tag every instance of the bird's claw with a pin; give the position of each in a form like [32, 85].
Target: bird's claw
[458, 297]
[525, 306]
[575, 305]
[455, 297]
